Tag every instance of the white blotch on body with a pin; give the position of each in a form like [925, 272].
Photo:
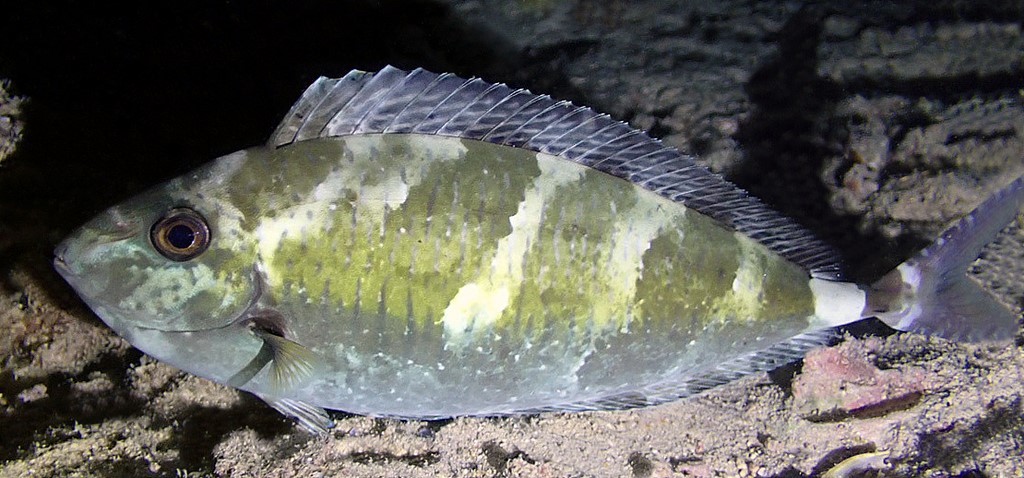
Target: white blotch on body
[748, 284]
[315, 214]
[639, 225]
[479, 304]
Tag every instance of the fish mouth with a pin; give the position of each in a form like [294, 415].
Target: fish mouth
[60, 263]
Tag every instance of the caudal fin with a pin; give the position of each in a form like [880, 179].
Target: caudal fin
[931, 293]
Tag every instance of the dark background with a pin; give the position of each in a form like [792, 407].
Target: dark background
[125, 94]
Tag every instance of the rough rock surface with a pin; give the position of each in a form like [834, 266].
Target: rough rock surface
[840, 382]
[10, 120]
[875, 124]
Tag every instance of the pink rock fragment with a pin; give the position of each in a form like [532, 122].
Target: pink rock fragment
[838, 382]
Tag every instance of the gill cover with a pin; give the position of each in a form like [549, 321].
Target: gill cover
[172, 258]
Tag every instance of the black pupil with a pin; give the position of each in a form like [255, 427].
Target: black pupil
[181, 236]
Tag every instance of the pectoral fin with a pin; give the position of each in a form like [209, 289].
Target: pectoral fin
[291, 363]
[262, 358]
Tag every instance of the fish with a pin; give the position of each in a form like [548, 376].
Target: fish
[418, 245]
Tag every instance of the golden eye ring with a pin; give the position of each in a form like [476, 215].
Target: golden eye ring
[181, 235]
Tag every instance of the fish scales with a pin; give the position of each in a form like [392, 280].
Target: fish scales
[419, 245]
[499, 283]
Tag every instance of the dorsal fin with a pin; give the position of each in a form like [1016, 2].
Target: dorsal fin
[396, 101]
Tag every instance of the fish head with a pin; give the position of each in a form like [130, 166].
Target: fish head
[172, 259]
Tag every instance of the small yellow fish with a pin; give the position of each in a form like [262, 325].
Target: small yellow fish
[419, 245]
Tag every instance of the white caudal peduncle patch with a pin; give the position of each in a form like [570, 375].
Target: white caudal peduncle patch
[911, 311]
[480, 303]
[837, 303]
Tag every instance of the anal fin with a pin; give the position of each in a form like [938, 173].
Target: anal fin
[311, 418]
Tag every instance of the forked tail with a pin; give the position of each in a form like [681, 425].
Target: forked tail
[931, 293]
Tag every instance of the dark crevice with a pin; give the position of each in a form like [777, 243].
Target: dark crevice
[948, 88]
[793, 111]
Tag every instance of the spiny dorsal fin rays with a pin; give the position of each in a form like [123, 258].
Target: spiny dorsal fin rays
[300, 111]
[321, 101]
[379, 90]
[396, 101]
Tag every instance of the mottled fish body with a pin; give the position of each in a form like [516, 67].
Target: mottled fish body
[419, 245]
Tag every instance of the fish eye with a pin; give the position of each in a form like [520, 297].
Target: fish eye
[181, 235]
